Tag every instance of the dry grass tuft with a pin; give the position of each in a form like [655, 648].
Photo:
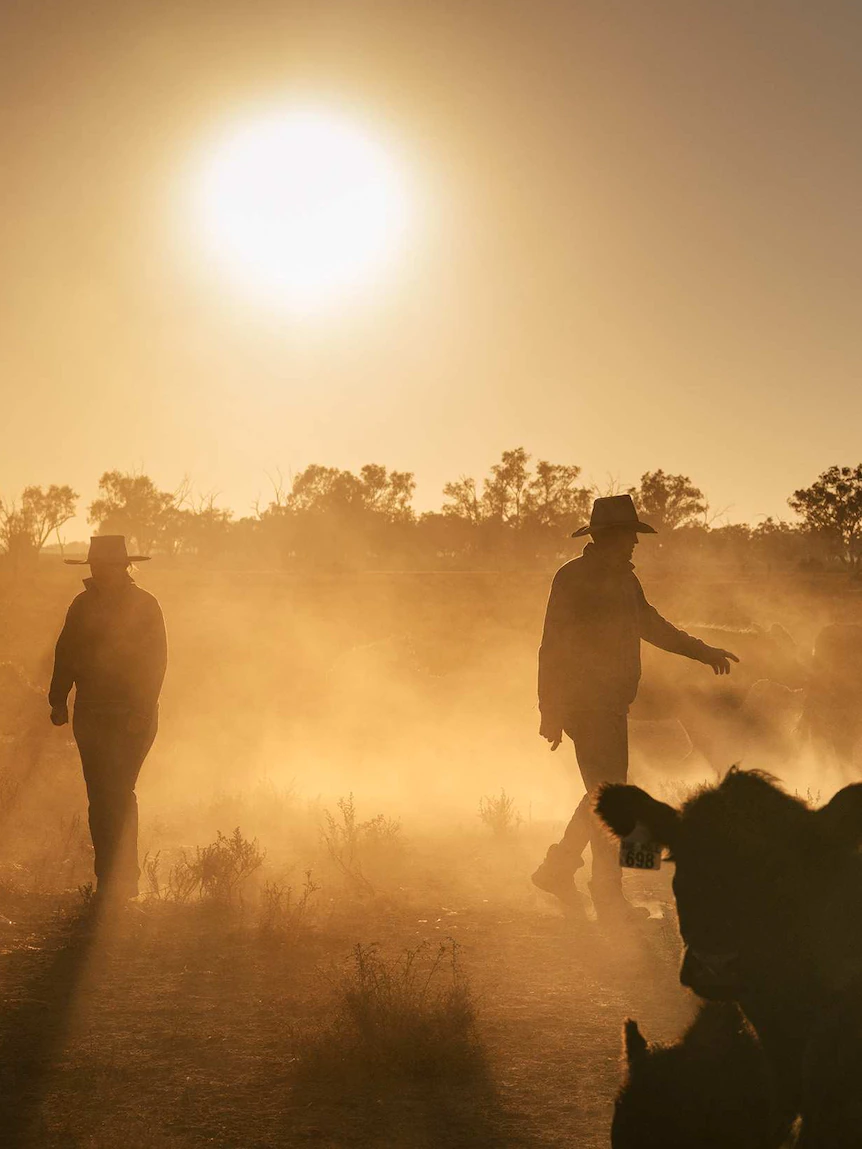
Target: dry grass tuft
[285, 913]
[408, 1017]
[217, 873]
[363, 852]
[500, 814]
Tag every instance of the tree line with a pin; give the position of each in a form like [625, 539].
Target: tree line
[519, 515]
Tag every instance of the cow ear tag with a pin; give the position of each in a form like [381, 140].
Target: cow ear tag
[638, 851]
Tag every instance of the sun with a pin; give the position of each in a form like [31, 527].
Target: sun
[300, 207]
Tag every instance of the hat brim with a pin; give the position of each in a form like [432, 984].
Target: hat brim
[108, 562]
[637, 526]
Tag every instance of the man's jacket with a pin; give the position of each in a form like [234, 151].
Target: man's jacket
[113, 649]
[590, 654]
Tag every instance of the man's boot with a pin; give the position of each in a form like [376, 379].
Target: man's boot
[613, 908]
[556, 876]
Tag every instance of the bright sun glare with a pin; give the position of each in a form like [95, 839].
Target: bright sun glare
[300, 207]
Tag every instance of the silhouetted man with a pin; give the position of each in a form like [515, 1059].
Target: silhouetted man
[114, 651]
[589, 668]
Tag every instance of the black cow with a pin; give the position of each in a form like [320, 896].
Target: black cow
[712, 1089]
[769, 895]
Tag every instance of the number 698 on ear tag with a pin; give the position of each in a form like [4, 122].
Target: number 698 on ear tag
[638, 851]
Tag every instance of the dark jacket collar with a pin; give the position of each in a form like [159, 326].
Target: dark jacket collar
[90, 585]
[593, 555]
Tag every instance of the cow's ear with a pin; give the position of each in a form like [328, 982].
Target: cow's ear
[634, 1043]
[841, 818]
[622, 807]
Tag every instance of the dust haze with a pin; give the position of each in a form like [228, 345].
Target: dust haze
[372, 738]
[417, 691]
[345, 318]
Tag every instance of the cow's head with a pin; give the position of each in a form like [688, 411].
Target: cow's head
[710, 1090]
[752, 864]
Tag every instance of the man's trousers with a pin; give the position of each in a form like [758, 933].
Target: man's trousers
[112, 756]
[602, 748]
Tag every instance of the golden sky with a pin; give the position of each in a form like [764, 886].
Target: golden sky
[638, 245]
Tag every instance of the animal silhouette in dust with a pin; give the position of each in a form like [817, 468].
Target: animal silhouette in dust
[712, 1089]
[769, 897]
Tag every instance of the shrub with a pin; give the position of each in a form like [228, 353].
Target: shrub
[500, 815]
[356, 847]
[217, 872]
[181, 883]
[409, 1016]
[284, 913]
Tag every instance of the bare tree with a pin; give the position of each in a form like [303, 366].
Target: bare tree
[202, 527]
[278, 503]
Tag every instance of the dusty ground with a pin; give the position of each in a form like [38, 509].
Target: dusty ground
[181, 1026]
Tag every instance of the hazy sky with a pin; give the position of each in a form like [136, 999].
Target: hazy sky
[638, 244]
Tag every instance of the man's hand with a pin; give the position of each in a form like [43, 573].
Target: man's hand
[551, 730]
[719, 659]
[59, 715]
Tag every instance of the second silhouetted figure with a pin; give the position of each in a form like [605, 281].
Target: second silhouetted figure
[589, 669]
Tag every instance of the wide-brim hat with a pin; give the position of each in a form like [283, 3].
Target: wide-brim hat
[614, 511]
[107, 549]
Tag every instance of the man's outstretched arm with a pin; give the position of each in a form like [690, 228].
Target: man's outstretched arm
[657, 631]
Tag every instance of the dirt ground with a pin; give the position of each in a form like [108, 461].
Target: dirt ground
[178, 1025]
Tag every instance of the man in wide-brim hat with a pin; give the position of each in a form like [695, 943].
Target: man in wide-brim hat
[113, 650]
[589, 669]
